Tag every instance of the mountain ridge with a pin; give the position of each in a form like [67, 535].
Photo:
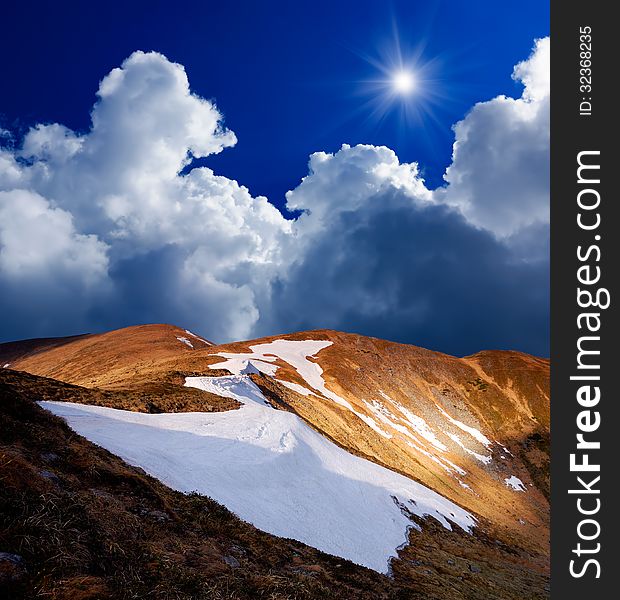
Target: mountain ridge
[474, 429]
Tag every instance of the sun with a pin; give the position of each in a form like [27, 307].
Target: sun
[403, 82]
[406, 86]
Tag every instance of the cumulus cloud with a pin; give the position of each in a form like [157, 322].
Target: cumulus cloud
[37, 240]
[499, 176]
[117, 220]
[121, 184]
[50, 274]
[377, 254]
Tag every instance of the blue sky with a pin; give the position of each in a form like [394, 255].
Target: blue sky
[291, 79]
[286, 75]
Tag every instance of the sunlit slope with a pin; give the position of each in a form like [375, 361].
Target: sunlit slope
[271, 469]
[474, 429]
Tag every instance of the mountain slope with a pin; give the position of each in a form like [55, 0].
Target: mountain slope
[98, 360]
[272, 470]
[474, 430]
[82, 524]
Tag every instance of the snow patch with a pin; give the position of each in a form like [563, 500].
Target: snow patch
[477, 435]
[185, 341]
[383, 414]
[372, 424]
[244, 364]
[300, 389]
[198, 337]
[515, 483]
[271, 469]
[444, 463]
[237, 387]
[389, 418]
[505, 449]
[457, 440]
[6, 366]
[296, 354]
[421, 427]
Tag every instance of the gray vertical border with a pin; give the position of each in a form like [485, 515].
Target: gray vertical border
[570, 134]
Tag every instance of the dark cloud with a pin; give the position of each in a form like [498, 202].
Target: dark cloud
[114, 227]
[420, 275]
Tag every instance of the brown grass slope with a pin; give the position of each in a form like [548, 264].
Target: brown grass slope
[88, 526]
[505, 395]
[12, 351]
[101, 359]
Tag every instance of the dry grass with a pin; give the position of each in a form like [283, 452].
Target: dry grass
[143, 368]
[91, 527]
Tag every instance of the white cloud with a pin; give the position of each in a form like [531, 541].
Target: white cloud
[39, 241]
[499, 176]
[535, 72]
[121, 182]
[348, 180]
[50, 143]
[108, 213]
[10, 172]
[376, 253]
[51, 276]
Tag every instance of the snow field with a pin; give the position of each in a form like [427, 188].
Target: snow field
[271, 469]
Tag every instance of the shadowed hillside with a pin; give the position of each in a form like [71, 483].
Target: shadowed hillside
[473, 429]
